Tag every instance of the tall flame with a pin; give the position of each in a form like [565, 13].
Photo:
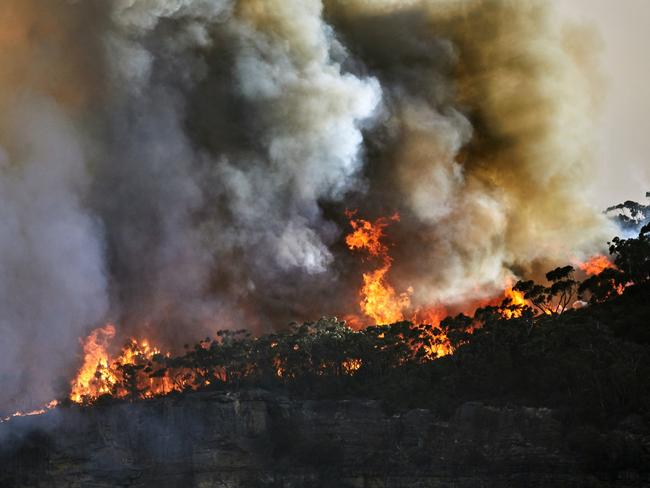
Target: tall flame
[379, 300]
[94, 378]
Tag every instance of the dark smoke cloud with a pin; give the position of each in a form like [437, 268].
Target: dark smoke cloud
[181, 166]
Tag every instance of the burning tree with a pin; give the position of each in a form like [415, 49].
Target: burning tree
[554, 299]
[631, 265]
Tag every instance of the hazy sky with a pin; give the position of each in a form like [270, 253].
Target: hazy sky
[623, 130]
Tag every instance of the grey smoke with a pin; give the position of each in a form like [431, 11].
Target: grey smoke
[180, 166]
[53, 282]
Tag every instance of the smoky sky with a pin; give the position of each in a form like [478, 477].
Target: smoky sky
[622, 122]
[177, 167]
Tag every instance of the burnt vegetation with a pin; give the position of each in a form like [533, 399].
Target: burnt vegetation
[590, 362]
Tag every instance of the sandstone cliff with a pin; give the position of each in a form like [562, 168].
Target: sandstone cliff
[256, 439]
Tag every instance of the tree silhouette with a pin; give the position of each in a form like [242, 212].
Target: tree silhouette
[632, 256]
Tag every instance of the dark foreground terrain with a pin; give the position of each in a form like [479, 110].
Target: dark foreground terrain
[258, 439]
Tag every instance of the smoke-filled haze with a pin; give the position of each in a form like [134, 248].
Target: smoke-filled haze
[177, 167]
[622, 122]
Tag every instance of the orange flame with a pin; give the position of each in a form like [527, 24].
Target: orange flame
[596, 265]
[368, 236]
[53, 404]
[101, 375]
[439, 344]
[431, 316]
[599, 263]
[438, 347]
[517, 302]
[94, 378]
[379, 301]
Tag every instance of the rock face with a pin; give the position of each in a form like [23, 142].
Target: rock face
[256, 439]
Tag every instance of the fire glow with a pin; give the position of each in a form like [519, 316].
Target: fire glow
[380, 303]
[599, 263]
[140, 370]
[383, 305]
[596, 265]
[517, 302]
[209, 192]
[102, 375]
[379, 300]
[50, 406]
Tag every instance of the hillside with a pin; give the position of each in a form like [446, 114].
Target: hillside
[547, 399]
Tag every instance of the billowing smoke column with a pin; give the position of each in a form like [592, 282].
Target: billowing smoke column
[182, 166]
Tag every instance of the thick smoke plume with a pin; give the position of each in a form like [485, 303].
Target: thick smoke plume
[183, 166]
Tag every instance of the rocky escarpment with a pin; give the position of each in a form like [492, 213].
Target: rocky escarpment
[256, 439]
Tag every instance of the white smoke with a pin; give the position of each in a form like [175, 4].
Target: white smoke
[302, 120]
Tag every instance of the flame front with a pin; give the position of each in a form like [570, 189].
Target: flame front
[102, 375]
[140, 370]
[51, 405]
